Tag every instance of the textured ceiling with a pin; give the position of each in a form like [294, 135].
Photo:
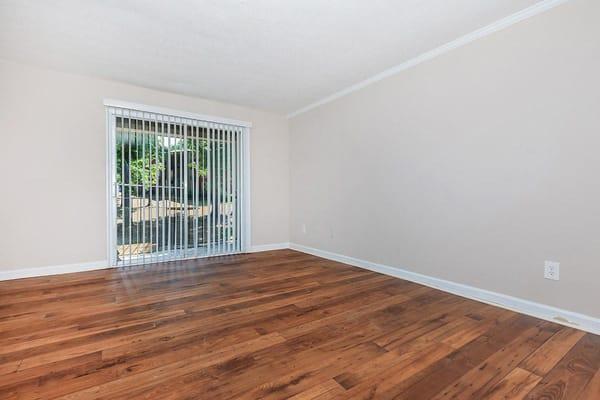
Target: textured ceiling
[270, 54]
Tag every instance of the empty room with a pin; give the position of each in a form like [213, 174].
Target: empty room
[300, 199]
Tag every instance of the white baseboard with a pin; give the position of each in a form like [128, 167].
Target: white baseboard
[52, 270]
[90, 266]
[268, 247]
[538, 310]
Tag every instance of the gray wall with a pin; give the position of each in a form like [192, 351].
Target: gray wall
[474, 167]
[53, 163]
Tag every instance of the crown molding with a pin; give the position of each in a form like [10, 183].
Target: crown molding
[499, 25]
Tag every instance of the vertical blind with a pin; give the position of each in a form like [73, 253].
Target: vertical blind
[177, 187]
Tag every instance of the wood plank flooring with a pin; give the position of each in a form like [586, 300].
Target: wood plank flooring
[276, 325]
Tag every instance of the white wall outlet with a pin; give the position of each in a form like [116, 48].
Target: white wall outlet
[552, 270]
[303, 228]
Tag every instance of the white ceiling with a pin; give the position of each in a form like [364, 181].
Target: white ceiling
[277, 55]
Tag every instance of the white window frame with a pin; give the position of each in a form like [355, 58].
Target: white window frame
[111, 155]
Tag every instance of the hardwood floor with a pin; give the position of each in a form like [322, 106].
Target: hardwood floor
[276, 325]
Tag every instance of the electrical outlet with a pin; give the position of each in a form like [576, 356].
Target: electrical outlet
[552, 270]
[303, 228]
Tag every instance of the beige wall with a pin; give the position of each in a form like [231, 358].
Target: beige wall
[52, 158]
[474, 167]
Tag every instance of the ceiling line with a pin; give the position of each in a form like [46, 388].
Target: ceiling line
[503, 23]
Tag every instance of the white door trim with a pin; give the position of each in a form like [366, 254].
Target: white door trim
[111, 174]
[174, 113]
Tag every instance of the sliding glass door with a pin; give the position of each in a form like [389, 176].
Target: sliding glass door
[177, 187]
